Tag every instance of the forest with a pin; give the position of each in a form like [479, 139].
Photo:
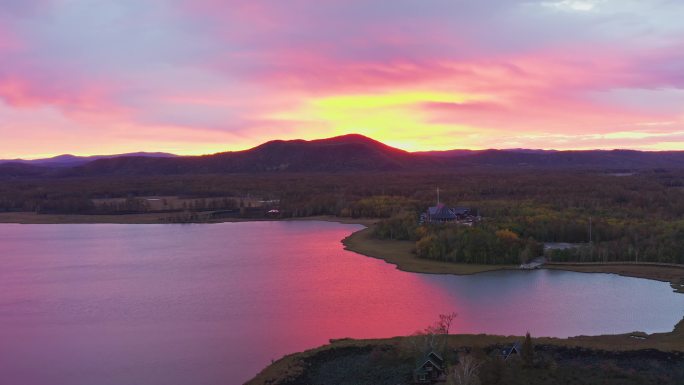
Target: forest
[634, 216]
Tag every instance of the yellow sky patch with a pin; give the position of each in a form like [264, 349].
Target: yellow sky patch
[394, 118]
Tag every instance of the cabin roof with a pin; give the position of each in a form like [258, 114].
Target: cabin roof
[436, 356]
[432, 357]
[507, 351]
[441, 212]
[436, 365]
[435, 209]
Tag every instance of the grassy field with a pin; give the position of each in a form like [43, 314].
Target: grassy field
[293, 365]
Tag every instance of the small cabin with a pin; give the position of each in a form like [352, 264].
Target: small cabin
[511, 351]
[430, 369]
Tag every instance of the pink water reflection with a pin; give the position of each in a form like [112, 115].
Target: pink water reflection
[213, 304]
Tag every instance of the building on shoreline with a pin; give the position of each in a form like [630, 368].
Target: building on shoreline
[441, 213]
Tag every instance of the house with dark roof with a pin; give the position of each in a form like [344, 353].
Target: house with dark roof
[511, 351]
[440, 213]
[444, 214]
[430, 369]
[461, 211]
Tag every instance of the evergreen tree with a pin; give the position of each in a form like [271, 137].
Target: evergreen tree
[528, 351]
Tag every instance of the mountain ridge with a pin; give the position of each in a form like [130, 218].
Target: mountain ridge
[346, 153]
[68, 160]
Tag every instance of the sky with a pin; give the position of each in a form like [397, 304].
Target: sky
[202, 76]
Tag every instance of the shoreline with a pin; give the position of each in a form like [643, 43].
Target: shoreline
[31, 218]
[673, 274]
[398, 253]
[294, 366]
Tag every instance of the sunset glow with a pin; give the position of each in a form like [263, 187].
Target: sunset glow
[204, 76]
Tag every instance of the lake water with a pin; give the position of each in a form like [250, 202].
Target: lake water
[213, 304]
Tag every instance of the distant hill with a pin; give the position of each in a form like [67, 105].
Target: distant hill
[590, 159]
[348, 153]
[463, 152]
[448, 153]
[338, 154]
[21, 170]
[68, 160]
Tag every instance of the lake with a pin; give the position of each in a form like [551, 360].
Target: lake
[215, 303]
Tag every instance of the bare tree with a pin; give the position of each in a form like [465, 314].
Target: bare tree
[426, 340]
[445, 322]
[444, 326]
[467, 372]
[430, 338]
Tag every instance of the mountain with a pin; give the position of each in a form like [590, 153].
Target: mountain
[338, 154]
[68, 160]
[348, 153]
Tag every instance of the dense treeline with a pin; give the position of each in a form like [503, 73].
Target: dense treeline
[634, 216]
[481, 244]
[635, 242]
[463, 244]
[519, 238]
[654, 194]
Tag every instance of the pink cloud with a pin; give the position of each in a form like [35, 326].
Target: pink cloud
[232, 67]
[31, 92]
[8, 41]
